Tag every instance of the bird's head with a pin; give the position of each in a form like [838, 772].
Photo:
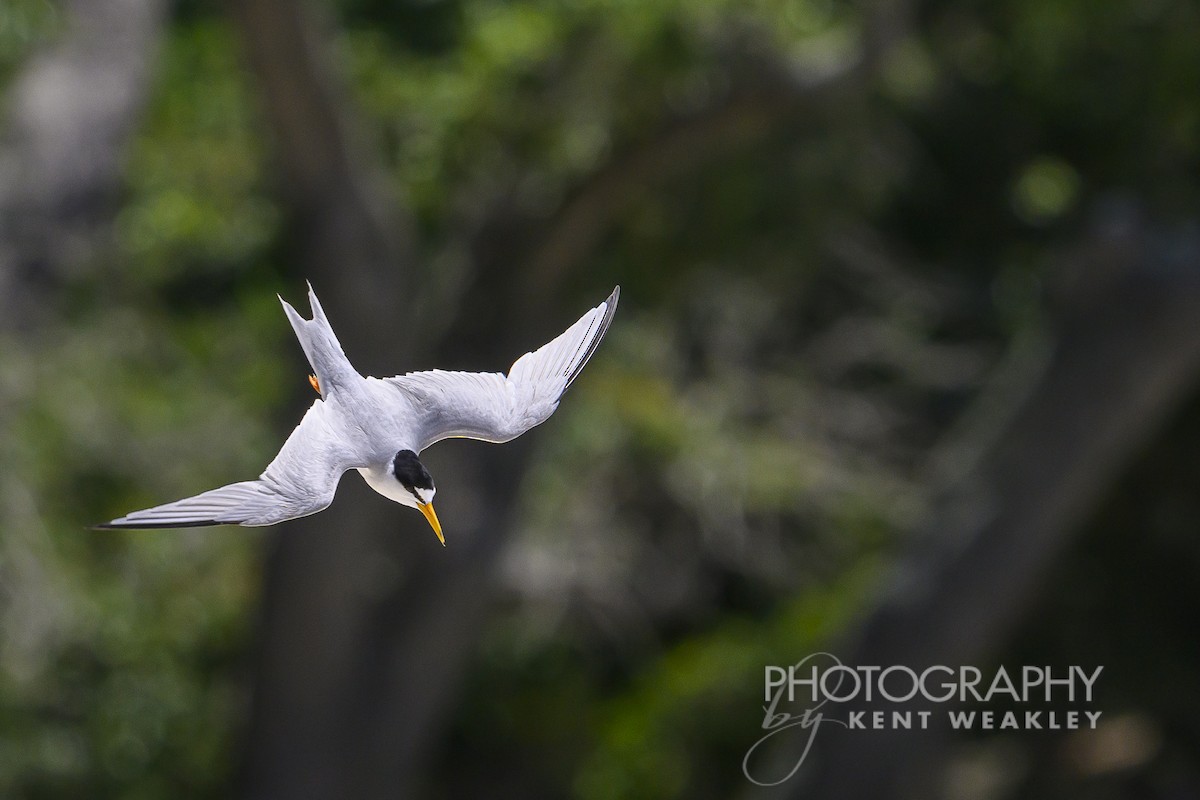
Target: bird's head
[418, 488]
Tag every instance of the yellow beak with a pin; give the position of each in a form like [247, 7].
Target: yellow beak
[431, 515]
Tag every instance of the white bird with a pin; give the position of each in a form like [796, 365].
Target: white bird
[379, 426]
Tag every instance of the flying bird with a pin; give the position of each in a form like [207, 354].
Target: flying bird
[380, 426]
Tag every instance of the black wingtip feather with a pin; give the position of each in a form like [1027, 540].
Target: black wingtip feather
[151, 526]
[610, 309]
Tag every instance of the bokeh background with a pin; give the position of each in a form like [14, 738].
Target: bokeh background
[905, 369]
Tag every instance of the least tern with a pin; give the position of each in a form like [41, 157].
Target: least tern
[380, 426]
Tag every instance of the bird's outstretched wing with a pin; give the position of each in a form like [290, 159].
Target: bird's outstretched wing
[495, 407]
[300, 481]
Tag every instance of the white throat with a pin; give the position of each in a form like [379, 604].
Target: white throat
[384, 482]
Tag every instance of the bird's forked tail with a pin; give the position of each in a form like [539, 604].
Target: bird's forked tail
[321, 346]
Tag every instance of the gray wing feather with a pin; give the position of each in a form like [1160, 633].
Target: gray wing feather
[301, 480]
[497, 408]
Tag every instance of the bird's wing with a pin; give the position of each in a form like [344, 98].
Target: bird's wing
[495, 407]
[301, 480]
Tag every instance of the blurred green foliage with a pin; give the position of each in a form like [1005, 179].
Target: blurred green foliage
[25, 25]
[197, 201]
[123, 652]
[752, 436]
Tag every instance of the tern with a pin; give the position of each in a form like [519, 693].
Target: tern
[380, 426]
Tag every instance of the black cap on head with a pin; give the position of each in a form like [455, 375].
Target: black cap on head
[411, 472]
